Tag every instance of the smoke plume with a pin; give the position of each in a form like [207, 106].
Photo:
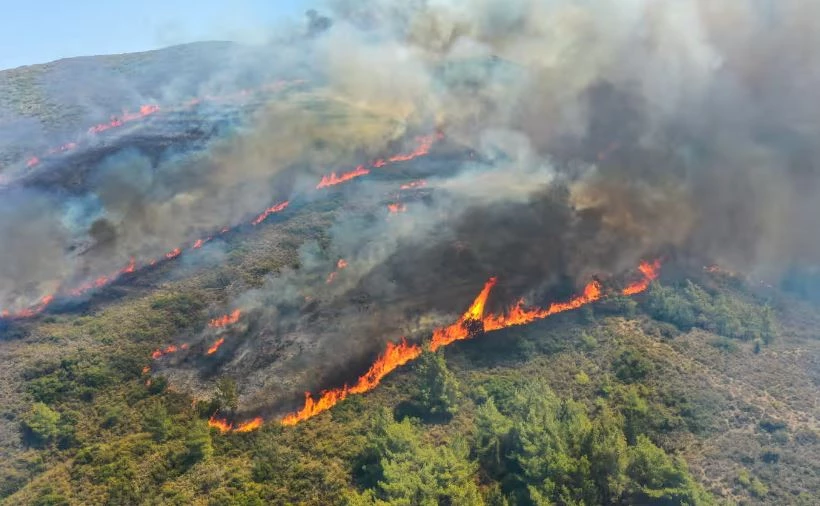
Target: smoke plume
[599, 133]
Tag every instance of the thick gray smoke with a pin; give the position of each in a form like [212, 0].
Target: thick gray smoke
[606, 131]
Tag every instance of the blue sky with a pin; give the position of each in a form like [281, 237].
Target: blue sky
[38, 31]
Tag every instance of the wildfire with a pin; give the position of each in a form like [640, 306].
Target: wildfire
[215, 347]
[459, 330]
[517, 315]
[394, 356]
[396, 208]
[223, 426]
[341, 264]
[421, 183]
[250, 425]
[425, 144]
[171, 348]
[470, 323]
[31, 162]
[131, 267]
[650, 272]
[333, 179]
[267, 212]
[145, 110]
[29, 312]
[217, 423]
[225, 320]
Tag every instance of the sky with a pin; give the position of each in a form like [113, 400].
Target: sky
[39, 31]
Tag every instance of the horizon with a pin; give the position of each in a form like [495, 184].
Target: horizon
[44, 31]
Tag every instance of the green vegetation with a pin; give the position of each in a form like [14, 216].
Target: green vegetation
[614, 404]
[692, 306]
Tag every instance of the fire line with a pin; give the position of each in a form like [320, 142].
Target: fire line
[471, 323]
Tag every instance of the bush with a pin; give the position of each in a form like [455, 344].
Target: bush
[631, 366]
[40, 424]
[691, 306]
[438, 388]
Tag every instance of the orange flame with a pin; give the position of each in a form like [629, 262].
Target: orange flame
[396, 208]
[425, 143]
[31, 162]
[341, 264]
[413, 184]
[220, 424]
[29, 312]
[333, 179]
[145, 110]
[394, 356]
[650, 273]
[171, 348]
[215, 347]
[224, 321]
[130, 268]
[267, 212]
[250, 425]
[466, 326]
[458, 331]
[517, 315]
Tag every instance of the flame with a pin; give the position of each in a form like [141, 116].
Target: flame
[470, 323]
[171, 348]
[28, 312]
[396, 208]
[131, 267]
[650, 272]
[425, 144]
[217, 423]
[224, 321]
[457, 331]
[394, 356]
[517, 315]
[413, 184]
[267, 212]
[145, 110]
[250, 425]
[146, 369]
[215, 347]
[333, 179]
[149, 109]
[341, 264]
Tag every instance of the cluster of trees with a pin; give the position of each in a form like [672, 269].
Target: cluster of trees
[691, 306]
[539, 449]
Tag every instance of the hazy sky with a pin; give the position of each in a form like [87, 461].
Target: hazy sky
[38, 31]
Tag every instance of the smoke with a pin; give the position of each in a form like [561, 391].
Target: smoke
[602, 132]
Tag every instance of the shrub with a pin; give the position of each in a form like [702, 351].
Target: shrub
[40, 424]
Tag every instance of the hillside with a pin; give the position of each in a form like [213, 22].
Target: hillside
[417, 254]
[741, 413]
